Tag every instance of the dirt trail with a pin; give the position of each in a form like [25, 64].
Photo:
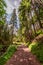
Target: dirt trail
[22, 57]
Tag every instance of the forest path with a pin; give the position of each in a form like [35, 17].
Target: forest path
[23, 57]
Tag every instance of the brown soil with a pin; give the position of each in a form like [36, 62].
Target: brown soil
[22, 57]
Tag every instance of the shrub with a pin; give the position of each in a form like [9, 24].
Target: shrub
[37, 49]
[7, 55]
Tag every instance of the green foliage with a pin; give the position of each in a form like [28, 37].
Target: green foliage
[2, 19]
[2, 11]
[24, 9]
[23, 16]
[30, 18]
[4, 35]
[39, 32]
[7, 55]
[37, 49]
[5, 39]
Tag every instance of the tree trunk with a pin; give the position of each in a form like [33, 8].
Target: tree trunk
[36, 11]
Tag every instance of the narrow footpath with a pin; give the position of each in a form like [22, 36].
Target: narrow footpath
[22, 57]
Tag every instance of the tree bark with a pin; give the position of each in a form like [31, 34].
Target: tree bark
[36, 11]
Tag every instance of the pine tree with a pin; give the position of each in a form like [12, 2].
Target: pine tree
[13, 22]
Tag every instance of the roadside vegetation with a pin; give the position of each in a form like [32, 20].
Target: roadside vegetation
[8, 54]
[36, 47]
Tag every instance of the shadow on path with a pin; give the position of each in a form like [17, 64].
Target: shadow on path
[23, 57]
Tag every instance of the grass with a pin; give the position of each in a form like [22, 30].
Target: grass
[7, 55]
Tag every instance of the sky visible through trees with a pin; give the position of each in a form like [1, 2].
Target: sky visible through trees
[11, 4]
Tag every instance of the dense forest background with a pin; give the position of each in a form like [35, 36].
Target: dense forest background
[30, 29]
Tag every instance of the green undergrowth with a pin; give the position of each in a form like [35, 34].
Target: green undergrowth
[37, 49]
[7, 55]
[39, 32]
